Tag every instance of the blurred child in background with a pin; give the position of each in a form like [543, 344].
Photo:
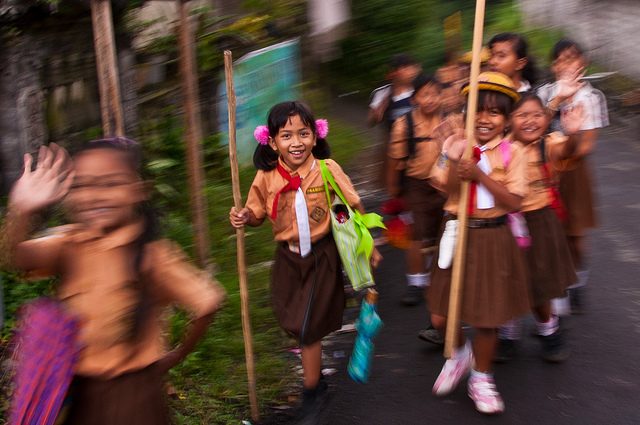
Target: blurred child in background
[390, 102]
[509, 56]
[566, 92]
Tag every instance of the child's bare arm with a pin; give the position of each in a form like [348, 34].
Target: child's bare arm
[35, 190]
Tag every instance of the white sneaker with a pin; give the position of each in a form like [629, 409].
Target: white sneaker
[448, 244]
[485, 396]
[454, 369]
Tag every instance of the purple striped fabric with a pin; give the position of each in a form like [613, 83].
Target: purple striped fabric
[47, 355]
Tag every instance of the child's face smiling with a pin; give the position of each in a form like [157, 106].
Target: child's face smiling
[428, 99]
[294, 141]
[530, 122]
[505, 60]
[105, 190]
[490, 123]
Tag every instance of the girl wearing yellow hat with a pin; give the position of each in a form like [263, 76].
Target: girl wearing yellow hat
[495, 289]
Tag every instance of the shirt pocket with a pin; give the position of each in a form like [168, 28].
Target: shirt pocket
[285, 213]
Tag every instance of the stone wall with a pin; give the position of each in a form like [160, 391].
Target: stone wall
[608, 30]
[48, 86]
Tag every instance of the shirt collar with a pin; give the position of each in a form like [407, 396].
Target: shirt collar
[303, 170]
[492, 143]
[525, 86]
[97, 238]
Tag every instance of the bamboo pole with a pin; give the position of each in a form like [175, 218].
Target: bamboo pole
[457, 274]
[107, 68]
[242, 267]
[193, 135]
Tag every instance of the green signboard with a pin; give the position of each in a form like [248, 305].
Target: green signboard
[261, 79]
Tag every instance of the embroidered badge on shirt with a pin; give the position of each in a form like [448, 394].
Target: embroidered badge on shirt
[499, 170]
[317, 214]
[315, 189]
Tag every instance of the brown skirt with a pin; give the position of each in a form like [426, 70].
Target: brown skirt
[134, 398]
[494, 286]
[577, 194]
[548, 261]
[426, 205]
[292, 279]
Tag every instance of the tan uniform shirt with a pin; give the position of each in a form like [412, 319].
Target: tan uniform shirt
[513, 179]
[538, 192]
[267, 184]
[426, 152]
[100, 285]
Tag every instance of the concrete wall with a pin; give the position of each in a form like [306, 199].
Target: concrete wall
[608, 30]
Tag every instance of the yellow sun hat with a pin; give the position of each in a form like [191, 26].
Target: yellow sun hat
[495, 81]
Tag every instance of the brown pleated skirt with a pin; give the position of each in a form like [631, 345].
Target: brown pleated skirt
[426, 205]
[134, 398]
[548, 261]
[292, 279]
[577, 193]
[494, 286]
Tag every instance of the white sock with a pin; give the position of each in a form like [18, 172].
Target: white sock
[419, 279]
[479, 375]
[561, 306]
[510, 330]
[458, 353]
[583, 277]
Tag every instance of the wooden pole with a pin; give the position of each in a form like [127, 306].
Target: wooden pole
[107, 68]
[193, 135]
[457, 274]
[242, 267]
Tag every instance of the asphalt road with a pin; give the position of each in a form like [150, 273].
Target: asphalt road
[598, 384]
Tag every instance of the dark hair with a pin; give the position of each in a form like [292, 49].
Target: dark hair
[133, 156]
[520, 48]
[422, 80]
[525, 98]
[489, 99]
[264, 157]
[401, 60]
[565, 44]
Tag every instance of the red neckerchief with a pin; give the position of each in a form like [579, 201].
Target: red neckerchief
[293, 184]
[474, 185]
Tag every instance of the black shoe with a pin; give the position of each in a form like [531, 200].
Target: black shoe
[313, 404]
[507, 351]
[431, 335]
[554, 349]
[413, 296]
[576, 298]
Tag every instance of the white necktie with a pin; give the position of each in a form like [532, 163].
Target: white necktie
[484, 198]
[302, 217]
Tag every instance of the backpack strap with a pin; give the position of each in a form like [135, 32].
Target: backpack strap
[412, 140]
[505, 152]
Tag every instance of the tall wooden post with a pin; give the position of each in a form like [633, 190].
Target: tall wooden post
[457, 274]
[107, 68]
[193, 133]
